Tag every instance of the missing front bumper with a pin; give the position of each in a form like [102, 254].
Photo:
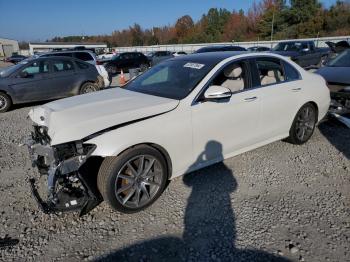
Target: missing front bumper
[68, 190]
[66, 201]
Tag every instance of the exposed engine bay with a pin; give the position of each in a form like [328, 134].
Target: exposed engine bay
[68, 186]
[340, 103]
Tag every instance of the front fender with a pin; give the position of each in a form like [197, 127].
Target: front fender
[171, 131]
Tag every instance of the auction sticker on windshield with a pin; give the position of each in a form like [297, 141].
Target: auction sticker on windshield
[194, 65]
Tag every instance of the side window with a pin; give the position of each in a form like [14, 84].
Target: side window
[62, 65]
[37, 68]
[270, 71]
[291, 72]
[304, 46]
[84, 56]
[233, 77]
[82, 65]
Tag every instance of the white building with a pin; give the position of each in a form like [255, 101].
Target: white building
[8, 47]
[50, 46]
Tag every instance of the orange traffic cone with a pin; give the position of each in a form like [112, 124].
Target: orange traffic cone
[122, 78]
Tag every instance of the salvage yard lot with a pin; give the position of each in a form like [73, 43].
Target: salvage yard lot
[280, 199]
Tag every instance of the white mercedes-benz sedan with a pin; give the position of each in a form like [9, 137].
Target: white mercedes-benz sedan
[122, 145]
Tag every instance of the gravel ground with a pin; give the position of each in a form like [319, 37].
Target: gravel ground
[277, 203]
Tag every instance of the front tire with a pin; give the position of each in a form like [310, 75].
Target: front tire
[303, 125]
[5, 102]
[133, 180]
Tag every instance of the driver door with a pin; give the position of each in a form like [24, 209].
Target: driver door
[30, 82]
[232, 123]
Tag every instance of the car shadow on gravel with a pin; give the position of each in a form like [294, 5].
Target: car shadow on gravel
[337, 134]
[209, 222]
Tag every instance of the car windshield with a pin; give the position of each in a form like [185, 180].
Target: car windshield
[173, 79]
[288, 46]
[5, 72]
[342, 60]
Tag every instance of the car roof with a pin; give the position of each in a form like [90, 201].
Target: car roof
[216, 57]
[67, 51]
[210, 57]
[52, 58]
[296, 41]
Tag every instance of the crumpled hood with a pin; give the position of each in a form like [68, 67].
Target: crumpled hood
[77, 117]
[338, 75]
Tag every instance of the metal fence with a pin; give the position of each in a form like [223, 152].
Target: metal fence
[190, 48]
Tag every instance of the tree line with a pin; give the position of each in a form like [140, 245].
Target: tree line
[290, 19]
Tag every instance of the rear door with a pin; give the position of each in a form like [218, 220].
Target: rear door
[279, 83]
[33, 87]
[63, 77]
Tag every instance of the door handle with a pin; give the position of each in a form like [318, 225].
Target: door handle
[296, 89]
[249, 99]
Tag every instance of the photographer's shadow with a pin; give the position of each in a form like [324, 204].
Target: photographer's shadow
[210, 230]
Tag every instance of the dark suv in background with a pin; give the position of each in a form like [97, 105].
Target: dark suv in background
[46, 78]
[84, 55]
[125, 61]
[158, 56]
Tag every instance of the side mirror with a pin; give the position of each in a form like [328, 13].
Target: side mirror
[23, 74]
[217, 92]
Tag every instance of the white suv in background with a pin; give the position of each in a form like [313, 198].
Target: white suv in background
[85, 55]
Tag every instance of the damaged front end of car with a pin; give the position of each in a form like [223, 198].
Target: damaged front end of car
[340, 103]
[69, 187]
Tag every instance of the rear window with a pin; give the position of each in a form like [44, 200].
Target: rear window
[82, 65]
[84, 56]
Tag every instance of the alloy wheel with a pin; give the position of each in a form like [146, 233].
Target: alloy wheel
[138, 181]
[3, 102]
[305, 123]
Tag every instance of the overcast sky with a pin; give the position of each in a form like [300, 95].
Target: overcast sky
[38, 20]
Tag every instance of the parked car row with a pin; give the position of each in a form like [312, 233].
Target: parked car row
[303, 53]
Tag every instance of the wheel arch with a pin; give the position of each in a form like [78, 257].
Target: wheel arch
[159, 148]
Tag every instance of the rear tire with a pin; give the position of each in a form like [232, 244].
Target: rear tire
[88, 88]
[143, 67]
[111, 70]
[5, 102]
[133, 180]
[323, 60]
[303, 125]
